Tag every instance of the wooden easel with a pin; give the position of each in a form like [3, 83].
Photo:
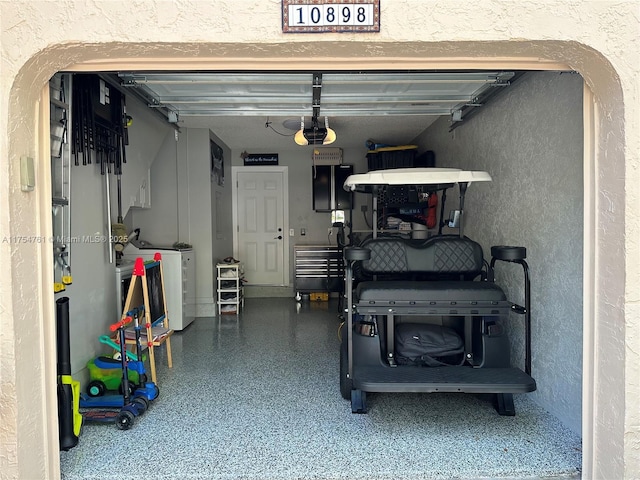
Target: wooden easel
[146, 277]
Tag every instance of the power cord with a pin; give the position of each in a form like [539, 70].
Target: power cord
[267, 124]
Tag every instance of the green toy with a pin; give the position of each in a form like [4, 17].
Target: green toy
[105, 373]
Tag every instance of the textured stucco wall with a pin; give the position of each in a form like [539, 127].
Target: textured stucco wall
[530, 140]
[597, 38]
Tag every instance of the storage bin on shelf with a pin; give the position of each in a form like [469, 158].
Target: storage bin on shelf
[392, 157]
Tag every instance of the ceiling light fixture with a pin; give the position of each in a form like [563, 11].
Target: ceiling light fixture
[331, 134]
[299, 136]
[316, 134]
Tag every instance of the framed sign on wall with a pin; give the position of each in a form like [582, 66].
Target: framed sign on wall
[260, 159]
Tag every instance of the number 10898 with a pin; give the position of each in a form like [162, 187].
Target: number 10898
[334, 14]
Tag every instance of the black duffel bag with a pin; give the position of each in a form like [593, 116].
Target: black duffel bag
[427, 345]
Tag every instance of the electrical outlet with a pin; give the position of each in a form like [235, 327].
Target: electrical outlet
[330, 231]
[364, 208]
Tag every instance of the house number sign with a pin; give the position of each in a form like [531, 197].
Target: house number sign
[317, 16]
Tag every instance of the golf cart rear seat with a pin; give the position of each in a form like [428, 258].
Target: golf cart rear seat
[446, 276]
[426, 273]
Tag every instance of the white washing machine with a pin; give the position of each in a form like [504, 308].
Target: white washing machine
[179, 268]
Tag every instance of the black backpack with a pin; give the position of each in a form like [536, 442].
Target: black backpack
[427, 345]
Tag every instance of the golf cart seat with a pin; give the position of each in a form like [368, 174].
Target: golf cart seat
[390, 279]
[441, 268]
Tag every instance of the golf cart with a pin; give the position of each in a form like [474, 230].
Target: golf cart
[425, 314]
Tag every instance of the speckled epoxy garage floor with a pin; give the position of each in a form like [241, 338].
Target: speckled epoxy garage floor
[257, 398]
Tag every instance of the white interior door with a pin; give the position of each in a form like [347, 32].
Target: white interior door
[261, 224]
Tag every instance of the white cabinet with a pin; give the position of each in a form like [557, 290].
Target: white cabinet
[230, 291]
[179, 269]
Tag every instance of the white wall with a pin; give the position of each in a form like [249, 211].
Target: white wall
[145, 141]
[194, 211]
[530, 141]
[159, 223]
[221, 209]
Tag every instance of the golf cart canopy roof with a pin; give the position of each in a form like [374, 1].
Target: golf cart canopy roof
[433, 178]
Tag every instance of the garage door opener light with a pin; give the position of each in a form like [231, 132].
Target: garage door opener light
[315, 135]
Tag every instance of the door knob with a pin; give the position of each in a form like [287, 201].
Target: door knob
[279, 237]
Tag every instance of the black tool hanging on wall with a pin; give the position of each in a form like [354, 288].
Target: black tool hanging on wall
[99, 124]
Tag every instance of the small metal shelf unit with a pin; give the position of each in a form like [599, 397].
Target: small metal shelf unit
[318, 268]
[230, 289]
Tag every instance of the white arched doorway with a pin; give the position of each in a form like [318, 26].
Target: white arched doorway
[604, 378]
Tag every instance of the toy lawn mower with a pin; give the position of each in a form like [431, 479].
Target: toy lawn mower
[106, 372]
[111, 408]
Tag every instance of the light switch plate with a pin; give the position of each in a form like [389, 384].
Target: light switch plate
[292, 232]
[27, 174]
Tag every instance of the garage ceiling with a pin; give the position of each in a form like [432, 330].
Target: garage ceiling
[259, 110]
